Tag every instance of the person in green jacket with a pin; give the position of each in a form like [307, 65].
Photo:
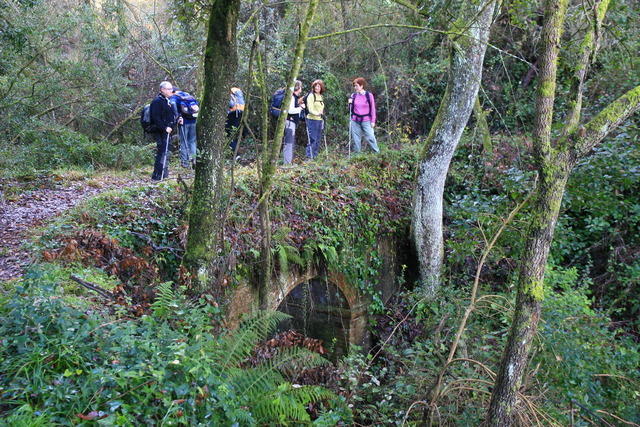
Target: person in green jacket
[315, 118]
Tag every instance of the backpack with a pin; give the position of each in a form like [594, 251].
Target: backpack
[236, 100]
[276, 102]
[302, 115]
[187, 104]
[359, 117]
[306, 102]
[145, 119]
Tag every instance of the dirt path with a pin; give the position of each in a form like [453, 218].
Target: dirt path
[32, 208]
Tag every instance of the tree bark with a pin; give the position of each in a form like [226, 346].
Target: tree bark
[554, 175]
[220, 63]
[468, 46]
[545, 208]
[554, 163]
[588, 50]
[271, 152]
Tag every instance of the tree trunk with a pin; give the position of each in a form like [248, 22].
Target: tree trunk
[554, 163]
[220, 64]
[554, 175]
[545, 210]
[469, 43]
[546, 207]
[271, 152]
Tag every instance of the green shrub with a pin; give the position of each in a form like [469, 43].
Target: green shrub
[584, 362]
[598, 230]
[61, 364]
[45, 147]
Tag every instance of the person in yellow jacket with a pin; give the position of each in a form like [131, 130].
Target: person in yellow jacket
[315, 118]
[234, 114]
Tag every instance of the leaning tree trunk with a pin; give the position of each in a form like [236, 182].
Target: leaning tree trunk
[555, 162]
[220, 63]
[270, 155]
[468, 37]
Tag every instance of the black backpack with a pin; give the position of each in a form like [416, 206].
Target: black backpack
[305, 99]
[145, 119]
[276, 102]
[306, 102]
[302, 115]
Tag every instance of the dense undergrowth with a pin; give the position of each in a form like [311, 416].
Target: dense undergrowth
[64, 364]
[41, 148]
[584, 367]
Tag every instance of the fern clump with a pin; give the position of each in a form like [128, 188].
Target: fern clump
[170, 367]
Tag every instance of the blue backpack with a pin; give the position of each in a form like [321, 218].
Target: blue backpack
[187, 104]
[276, 102]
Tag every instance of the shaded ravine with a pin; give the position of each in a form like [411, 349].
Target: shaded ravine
[19, 217]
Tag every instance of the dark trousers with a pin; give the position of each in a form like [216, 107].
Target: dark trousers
[314, 131]
[161, 165]
[231, 127]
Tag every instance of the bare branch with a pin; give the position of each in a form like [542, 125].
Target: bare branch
[93, 287]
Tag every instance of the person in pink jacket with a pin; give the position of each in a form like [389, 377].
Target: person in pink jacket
[362, 107]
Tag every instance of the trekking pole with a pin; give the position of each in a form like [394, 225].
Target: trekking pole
[309, 147]
[183, 144]
[164, 158]
[350, 111]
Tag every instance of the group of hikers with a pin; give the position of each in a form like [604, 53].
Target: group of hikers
[174, 109]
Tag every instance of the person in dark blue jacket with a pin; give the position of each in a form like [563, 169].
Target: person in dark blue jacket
[163, 119]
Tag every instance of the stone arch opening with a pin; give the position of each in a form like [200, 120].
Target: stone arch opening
[320, 309]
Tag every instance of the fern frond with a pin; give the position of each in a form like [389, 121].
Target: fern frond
[290, 361]
[287, 254]
[255, 382]
[312, 394]
[238, 346]
[167, 300]
[329, 253]
[293, 255]
[283, 260]
[280, 406]
[309, 253]
[287, 403]
[272, 400]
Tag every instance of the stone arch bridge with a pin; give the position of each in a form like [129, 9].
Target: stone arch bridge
[393, 252]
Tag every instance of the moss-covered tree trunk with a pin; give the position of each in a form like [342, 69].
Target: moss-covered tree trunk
[271, 152]
[468, 38]
[553, 178]
[555, 160]
[546, 207]
[220, 63]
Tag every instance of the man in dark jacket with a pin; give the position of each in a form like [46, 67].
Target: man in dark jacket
[163, 119]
